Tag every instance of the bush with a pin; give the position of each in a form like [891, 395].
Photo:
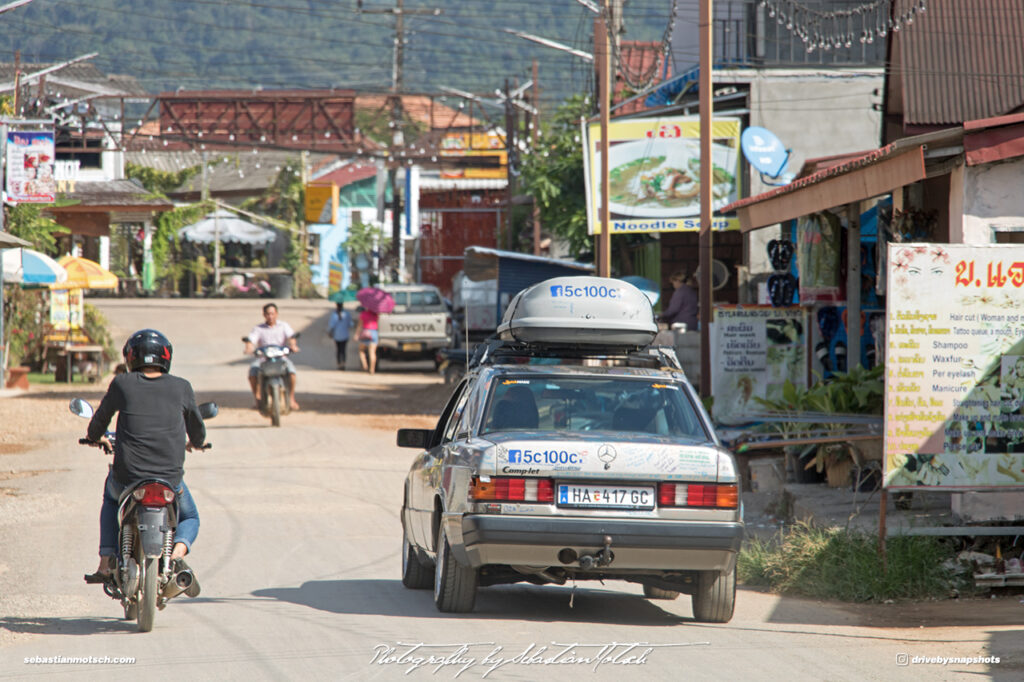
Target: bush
[833, 563]
[26, 323]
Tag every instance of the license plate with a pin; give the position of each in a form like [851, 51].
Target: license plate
[605, 496]
[410, 347]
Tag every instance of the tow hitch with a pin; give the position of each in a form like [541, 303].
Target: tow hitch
[603, 557]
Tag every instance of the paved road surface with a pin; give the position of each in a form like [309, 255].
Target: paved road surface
[299, 563]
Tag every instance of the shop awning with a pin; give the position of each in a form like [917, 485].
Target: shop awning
[869, 175]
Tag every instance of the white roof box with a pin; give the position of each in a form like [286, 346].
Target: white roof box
[592, 311]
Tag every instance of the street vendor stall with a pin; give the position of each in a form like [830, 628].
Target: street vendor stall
[68, 347]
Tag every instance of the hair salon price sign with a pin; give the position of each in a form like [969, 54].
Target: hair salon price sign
[954, 389]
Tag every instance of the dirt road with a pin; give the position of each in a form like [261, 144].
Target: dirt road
[299, 563]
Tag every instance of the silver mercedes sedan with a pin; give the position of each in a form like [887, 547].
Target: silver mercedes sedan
[547, 467]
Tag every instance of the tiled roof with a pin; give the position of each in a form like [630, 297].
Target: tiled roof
[347, 174]
[421, 109]
[961, 60]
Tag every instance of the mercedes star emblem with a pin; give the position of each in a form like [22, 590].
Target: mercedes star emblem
[606, 453]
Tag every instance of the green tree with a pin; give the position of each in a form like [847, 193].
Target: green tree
[553, 175]
[285, 201]
[158, 181]
[28, 222]
[363, 239]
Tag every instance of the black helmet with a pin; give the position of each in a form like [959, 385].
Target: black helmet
[148, 347]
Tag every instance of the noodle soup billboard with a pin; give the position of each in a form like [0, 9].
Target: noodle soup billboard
[954, 387]
[655, 174]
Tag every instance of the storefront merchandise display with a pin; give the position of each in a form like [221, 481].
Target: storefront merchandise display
[818, 251]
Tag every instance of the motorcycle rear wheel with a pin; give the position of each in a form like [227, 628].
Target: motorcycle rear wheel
[147, 600]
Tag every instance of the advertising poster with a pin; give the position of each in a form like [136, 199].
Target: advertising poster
[655, 174]
[954, 387]
[67, 309]
[755, 349]
[30, 177]
[336, 291]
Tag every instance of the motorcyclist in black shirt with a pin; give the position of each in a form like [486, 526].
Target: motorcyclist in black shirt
[156, 412]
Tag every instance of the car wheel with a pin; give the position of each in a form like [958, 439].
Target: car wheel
[415, 575]
[454, 584]
[658, 593]
[715, 598]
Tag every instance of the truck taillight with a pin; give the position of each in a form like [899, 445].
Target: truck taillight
[698, 495]
[514, 489]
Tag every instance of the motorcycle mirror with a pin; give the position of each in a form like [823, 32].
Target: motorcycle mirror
[208, 410]
[81, 408]
[296, 335]
[245, 339]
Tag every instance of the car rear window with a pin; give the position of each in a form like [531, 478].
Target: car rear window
[588, 404]
[410, 301]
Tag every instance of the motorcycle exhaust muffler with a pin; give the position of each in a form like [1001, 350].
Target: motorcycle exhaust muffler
[179, 582]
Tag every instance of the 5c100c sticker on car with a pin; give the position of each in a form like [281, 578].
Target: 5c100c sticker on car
[552, 457]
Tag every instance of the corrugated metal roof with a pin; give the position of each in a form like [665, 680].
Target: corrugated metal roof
[962, 60]
[127, 193]
[81, 76]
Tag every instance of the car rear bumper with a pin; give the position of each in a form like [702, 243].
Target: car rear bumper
[637, 544]
[413, 347]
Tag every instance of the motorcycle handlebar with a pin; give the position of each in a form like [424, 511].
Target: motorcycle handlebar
[96, 444]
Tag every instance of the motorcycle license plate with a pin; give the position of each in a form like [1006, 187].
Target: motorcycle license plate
[605, 496]
[411, 347]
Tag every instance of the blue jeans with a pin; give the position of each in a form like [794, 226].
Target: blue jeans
[188, 517]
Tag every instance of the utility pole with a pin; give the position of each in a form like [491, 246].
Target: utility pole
[602, 59]
[510, 153]
[535, 120]
[395, 105]
[706, 165]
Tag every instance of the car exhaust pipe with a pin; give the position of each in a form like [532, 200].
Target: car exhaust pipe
[179, 582]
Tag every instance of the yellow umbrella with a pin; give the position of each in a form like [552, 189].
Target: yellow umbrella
[85, 274]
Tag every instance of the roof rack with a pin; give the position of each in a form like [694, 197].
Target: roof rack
[497, 351]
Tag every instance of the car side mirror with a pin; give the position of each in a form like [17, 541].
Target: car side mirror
[208, 410]
[414, 438]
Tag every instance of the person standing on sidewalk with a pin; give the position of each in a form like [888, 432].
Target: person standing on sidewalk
[338, 327]
[684, 304]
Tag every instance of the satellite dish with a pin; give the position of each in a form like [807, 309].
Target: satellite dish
[764, 151]
[719, 274]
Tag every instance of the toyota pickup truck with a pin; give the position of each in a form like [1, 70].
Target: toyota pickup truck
[419, 325]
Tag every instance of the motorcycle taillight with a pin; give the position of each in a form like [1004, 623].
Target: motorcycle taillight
[154, 495]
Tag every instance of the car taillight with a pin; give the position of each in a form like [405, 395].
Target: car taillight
[154, 495]
[698, 495]
[513, 489]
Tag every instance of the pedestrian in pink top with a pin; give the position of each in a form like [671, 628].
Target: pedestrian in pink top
[366, 333]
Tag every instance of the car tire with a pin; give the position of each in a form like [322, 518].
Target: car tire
[658, 593]
[715, 598]
[415, 575]
[454, 584]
